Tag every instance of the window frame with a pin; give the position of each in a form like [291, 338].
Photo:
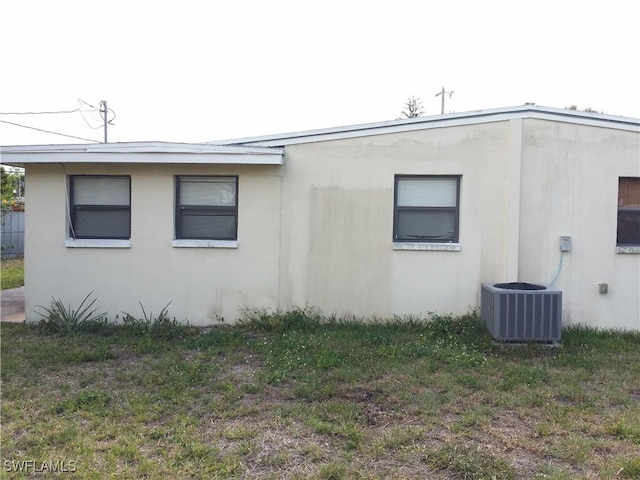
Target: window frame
[96, 207]
[215, 210]
[635, 242]
[397, 209]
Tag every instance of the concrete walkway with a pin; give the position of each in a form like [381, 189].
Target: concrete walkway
[12, 305]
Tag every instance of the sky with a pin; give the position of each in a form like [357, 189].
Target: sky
[196, 71]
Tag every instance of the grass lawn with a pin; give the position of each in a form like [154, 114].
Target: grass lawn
[12, 272]
[289, 396]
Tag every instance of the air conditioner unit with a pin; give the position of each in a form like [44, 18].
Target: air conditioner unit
[521, 312]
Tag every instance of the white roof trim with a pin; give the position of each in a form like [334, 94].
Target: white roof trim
[141, 152]
[440, 121]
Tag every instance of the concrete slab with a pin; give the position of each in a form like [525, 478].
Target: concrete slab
[12, 305]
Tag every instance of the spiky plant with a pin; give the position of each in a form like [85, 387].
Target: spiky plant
[160, 325]
[65, 320]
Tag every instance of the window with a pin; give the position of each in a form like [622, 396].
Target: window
[629, 211]
[207, 208]
[426, 209]
[100, 207]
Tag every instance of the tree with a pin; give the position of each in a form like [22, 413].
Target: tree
[588, 109]
[7, 188]
[12, 185]
[413, 108]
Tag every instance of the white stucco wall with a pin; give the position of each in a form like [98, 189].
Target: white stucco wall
[204, 285]
[570, 187]
[338, 222]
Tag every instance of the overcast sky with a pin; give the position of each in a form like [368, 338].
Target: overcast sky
[192, 71]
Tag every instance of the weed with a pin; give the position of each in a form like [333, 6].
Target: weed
[400, 437]
[630, 468]
[470, 462]
[315, 452]
[65, 320]
[332, 471]
[522, 374]
[85, 400]
[160, 326]
[217, 338]
[240, 432]
[624, 429]
[299, 319]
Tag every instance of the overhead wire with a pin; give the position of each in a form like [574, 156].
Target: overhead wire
[79, 110]
[40, 113]
[114, 115]
[49, 131]
[88, 104]
[101, 114]
[86, 121]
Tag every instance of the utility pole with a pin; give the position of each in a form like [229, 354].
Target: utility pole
[104, 113]
[443, 92]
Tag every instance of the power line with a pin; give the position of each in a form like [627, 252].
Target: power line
[49, 131]
[40, 113]
[85, 121]
[103, 110]
[88, 104]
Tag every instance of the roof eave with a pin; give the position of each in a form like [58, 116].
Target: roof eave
[141, 153]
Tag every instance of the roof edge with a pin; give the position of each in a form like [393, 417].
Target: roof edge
[445, 120]
[141, 153]
[142, 147]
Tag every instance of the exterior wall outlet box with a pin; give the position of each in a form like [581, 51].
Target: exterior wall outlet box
[603, 288]
[565, 244]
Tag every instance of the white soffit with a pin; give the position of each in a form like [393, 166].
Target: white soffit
[141, 153]
[441, 121]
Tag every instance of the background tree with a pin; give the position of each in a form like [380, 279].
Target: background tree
[12, 184]
[588, 109]
[413, 108]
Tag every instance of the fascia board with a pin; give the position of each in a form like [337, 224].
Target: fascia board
[141, 153]
[22, 158]
[140, 147]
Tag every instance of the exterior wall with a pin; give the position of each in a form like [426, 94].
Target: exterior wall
[205, 285]
[569, 187]
[338, 222]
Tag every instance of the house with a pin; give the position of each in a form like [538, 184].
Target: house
[404, 217]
